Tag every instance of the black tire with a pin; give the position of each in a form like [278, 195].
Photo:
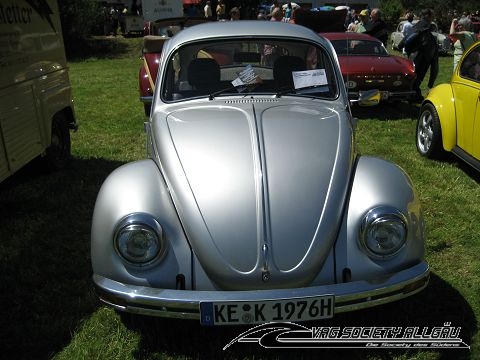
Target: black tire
[429, 133]
[58, 154]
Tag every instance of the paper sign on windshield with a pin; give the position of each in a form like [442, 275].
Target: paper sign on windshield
[308, 78]
[246, 77]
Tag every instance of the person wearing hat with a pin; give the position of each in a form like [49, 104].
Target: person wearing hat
[363, 21]
[462, 39]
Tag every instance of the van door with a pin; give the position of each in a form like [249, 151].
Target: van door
[19, 126]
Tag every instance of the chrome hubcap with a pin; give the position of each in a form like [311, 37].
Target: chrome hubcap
[425, 132]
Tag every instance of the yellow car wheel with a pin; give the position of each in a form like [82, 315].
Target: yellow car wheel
[429, 132]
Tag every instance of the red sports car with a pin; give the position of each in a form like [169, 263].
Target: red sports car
[366, 65]
[156, 33]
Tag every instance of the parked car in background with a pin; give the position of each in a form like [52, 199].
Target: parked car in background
[366, 65]
[253, 204]
[443, 41]
[156, 33]
[450, 115]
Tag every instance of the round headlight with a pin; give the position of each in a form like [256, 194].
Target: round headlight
[139, 239]
[383, 232]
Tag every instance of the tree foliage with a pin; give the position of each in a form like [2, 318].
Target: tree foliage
[443, 9]
[80, 19]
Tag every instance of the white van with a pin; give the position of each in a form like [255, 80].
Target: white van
[36, 107]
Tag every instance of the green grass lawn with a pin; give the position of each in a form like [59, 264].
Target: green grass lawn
[50, 311]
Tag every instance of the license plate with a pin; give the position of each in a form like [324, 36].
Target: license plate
[259, 312]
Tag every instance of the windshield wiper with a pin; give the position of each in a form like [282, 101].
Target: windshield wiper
[218, 92]
[309, 91]
[285, 90]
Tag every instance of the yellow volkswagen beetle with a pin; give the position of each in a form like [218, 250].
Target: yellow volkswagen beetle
[450, 115]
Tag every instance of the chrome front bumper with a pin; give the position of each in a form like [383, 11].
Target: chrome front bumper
[386, 95]
[185, 304]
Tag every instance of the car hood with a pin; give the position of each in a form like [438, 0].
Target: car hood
[259, 186]
[378, 65]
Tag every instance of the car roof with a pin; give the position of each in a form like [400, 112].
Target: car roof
[244, 28]
[348, 35]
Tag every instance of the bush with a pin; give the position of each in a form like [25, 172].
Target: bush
[80, 19]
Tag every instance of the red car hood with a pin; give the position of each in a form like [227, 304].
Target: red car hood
[381, 65]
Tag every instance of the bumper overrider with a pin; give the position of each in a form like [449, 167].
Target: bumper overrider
[386, 95]
[185, 304]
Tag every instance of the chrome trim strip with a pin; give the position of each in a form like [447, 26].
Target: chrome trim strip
[146, 99]
[184, 304]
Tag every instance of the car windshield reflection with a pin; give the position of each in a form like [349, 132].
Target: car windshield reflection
[359, 47]
[262, 66]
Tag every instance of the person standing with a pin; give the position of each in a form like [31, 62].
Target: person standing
[462, 39]
[277, 14]
[273, 6]
[235, 14]
[107, 24]
[207, 10]
[220, 10]
[363, 22]
[288, 12]
[351, 20]
[377, 27]
[114, 20]
[407, 27]
[122, 21]
[424, 51]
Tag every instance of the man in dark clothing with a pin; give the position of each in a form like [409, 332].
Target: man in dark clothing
[423, 48]
[377, 27]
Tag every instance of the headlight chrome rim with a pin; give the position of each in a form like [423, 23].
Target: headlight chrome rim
[388, 223]
[139, 240]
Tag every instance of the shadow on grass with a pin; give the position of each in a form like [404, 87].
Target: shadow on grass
[437, 304]
[45, 286]
[387, 111]
[469, 170]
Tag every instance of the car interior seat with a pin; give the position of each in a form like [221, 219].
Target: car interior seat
[283, 67]
[204, 75]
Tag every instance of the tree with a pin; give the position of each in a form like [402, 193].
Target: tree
[79, 20]
[392, 10]
[443, 9]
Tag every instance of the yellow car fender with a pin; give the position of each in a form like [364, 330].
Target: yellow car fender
[441, 97]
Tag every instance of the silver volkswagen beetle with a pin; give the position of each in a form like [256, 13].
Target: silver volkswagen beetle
[253, 204]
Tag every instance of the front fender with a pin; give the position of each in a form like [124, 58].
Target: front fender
[379, 183]
[441, 97]
[138, 187]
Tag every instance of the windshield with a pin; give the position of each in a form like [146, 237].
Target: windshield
[260, 66]
[359, 47]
